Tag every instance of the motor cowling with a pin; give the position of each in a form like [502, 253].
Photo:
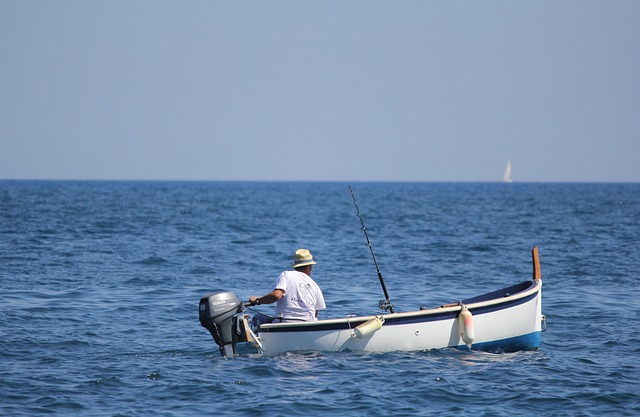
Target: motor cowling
[216, 312]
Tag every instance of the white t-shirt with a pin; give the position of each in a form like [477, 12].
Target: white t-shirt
[302, 296]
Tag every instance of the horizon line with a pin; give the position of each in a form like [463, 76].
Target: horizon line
[318, 181]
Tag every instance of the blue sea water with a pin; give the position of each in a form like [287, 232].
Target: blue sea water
[100, 283]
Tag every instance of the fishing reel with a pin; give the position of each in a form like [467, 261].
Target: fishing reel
[385, 305]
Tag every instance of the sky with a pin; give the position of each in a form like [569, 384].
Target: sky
[320, 90]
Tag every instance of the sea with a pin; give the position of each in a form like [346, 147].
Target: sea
[100, 283]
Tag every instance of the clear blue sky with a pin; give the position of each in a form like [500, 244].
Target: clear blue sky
[324, 90]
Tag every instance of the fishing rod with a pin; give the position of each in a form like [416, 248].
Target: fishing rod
[386, 303]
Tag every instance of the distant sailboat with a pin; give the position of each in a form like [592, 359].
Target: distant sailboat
[507, 173]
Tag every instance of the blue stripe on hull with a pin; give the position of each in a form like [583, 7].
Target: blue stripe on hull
[529, 341]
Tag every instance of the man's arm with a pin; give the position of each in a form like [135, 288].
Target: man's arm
[270, 298]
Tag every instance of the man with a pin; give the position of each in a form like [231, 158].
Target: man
[298, 296]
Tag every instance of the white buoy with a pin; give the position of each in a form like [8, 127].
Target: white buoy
[369, 327]
[465, 324]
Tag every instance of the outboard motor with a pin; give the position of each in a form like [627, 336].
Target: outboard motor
[217, 313]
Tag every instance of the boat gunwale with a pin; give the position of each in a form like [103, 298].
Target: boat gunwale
[535, 287]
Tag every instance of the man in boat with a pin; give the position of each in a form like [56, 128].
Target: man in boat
[298, 297]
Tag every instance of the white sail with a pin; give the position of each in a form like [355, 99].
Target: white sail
[507, 173]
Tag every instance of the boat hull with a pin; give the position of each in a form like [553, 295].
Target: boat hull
[506, 320]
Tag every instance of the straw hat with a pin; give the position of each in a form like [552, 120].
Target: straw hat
[303, 258]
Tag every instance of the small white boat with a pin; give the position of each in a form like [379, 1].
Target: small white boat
[509, 319]
[507, 173]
